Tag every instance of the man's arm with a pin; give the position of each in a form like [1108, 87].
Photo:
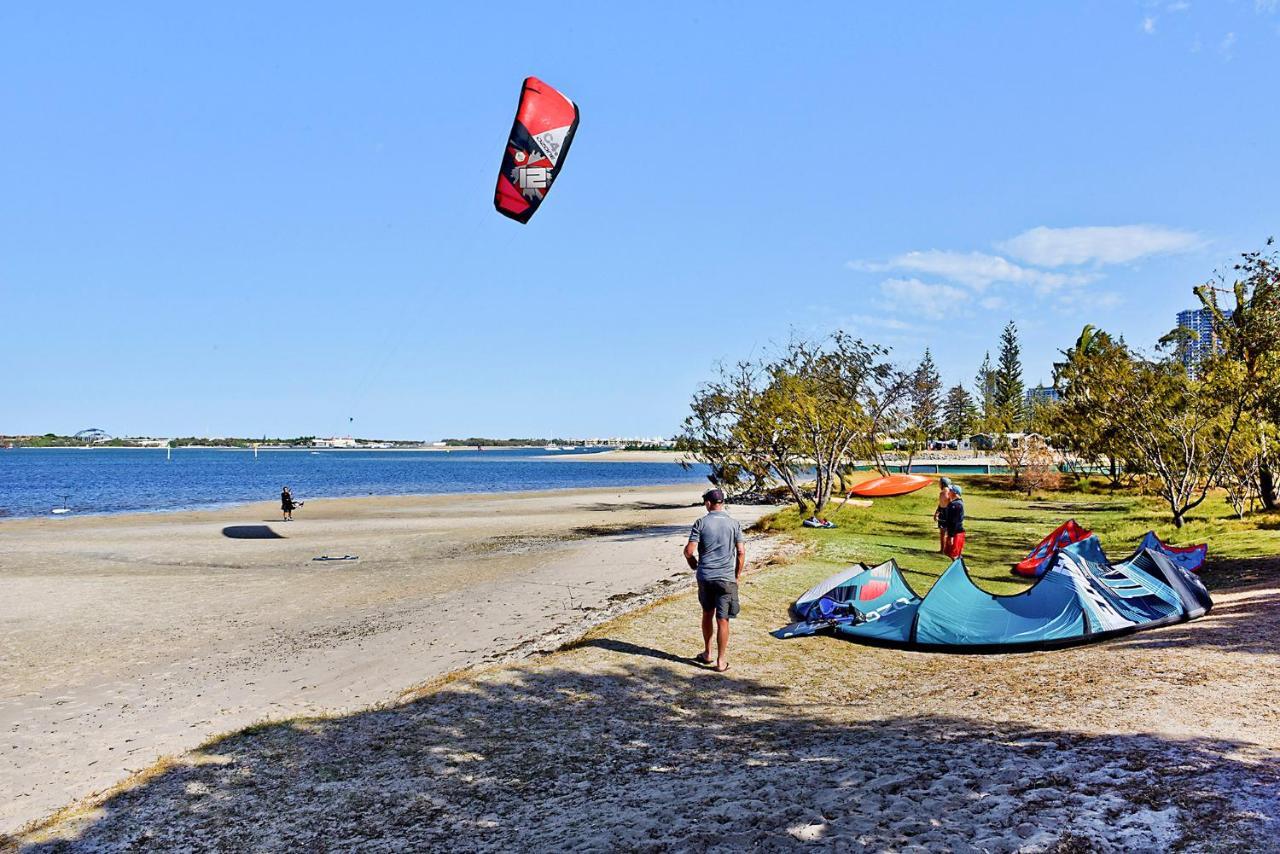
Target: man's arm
[691, 554]
[742, 561]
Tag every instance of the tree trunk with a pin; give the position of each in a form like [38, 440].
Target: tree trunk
[1267, 487]
[1177, 519]
[784, 473]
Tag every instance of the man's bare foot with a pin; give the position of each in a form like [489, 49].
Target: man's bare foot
[703, 658]
[722, 667]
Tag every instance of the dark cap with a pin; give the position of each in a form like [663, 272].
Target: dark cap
[715, 496]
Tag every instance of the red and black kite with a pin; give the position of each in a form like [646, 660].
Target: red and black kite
[539, 143]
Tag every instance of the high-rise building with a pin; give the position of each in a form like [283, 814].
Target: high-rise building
[1206, 340]
[1042, 394]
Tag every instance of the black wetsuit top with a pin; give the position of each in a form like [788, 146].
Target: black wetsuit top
[955, 516]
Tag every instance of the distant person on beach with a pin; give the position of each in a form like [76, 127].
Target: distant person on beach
[940, 514]
[287, 504]
[718, 554]
[955, 523]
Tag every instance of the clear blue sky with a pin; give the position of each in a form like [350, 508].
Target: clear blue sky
[271, 218]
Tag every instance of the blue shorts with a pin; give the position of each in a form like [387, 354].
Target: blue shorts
[719, 596]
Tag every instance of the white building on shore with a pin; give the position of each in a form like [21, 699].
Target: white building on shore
[335, 442]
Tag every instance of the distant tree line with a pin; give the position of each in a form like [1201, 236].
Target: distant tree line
[229, 442]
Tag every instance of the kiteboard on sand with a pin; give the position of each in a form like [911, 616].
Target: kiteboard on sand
[888, 487]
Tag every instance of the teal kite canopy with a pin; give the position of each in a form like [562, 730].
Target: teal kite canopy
[1081, 597]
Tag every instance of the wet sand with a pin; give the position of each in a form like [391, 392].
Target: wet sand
[131, 637]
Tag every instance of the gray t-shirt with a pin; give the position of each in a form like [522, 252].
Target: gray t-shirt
[717, 535]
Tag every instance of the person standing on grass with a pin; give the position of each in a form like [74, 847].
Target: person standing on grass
[718, 554]
[955, 523]
[940, 515]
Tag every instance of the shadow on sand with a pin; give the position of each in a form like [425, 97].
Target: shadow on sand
[634, 754]
[251, 532]
[625, 648]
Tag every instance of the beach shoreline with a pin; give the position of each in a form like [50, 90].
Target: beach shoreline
[133, 636]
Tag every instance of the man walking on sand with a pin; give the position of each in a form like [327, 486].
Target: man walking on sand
[716, 550]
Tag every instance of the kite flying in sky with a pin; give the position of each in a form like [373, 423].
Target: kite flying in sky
[536, 149]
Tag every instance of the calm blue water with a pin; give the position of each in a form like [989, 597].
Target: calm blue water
[121, 480]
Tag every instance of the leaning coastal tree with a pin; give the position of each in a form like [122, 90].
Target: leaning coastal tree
[812, 409]
[738, 428]
[1082, 378]
[842, 394]
[1248, 336]
[1178, 428]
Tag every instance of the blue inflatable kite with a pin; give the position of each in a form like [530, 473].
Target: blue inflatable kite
[1080, 597]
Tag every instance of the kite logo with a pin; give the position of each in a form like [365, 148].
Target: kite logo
[883, 610]
[551, 142]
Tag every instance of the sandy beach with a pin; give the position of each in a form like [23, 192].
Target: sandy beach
[1167, 740]
[130, 637]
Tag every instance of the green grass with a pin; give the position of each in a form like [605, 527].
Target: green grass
[1003, 525]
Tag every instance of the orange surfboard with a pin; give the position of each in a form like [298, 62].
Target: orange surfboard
[894, 484]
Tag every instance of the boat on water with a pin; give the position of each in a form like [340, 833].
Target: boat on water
[552, 447]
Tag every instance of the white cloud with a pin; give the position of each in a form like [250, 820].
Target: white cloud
[1227, 47]
[1098, 244]
[934, 301]
[978, 270]
[878, 321]
[1180, 6]
[993, 303]
[1149, 25]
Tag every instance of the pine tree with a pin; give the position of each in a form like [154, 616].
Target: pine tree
[1008, 385]
[985, 383]
[959, 413]
[926, 397]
